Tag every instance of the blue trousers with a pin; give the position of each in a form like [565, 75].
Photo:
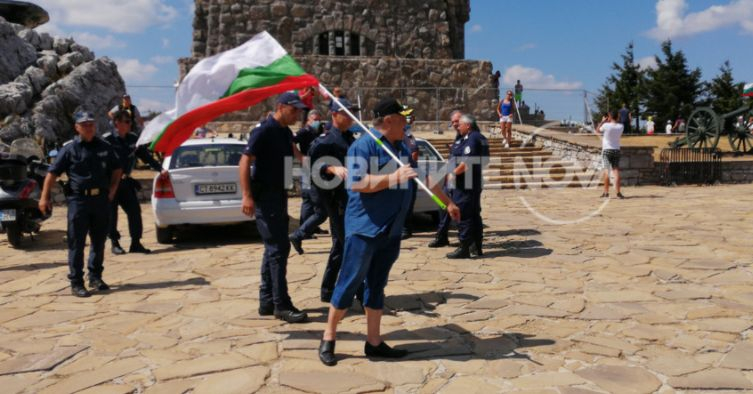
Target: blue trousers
[443, 228]
[366, 261]
[470, 227]
[87, 215]
[272, 223]
[313, 214]
[127, 199]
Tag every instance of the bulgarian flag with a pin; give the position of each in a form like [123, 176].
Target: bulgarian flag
[226, 82]
[748, 90]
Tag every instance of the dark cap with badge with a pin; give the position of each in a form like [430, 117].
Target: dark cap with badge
[82, 116]
[345, 103]
[390, 106]
[290, 98]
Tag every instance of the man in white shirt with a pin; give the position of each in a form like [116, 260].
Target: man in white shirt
[610, 130]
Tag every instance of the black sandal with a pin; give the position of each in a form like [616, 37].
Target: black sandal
[605, 195]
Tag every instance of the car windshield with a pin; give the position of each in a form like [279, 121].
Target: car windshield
[425, 152]
[209, 155]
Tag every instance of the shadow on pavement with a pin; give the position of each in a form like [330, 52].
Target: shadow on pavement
[198, 281]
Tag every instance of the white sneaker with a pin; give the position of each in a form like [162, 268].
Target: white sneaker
[507, 145]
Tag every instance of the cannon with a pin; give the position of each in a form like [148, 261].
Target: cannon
[704, 127]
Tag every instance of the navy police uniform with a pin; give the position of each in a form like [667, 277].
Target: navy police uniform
[126, 196]
[89, 166]
[333, 146]
[410, 143]
[443, 227]
[271, 143]
[312, 214]
[472, 149]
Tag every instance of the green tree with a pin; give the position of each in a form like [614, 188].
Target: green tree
[724, 95]
[624, 86]
[672, 89]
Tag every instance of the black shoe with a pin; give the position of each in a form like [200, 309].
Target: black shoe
[291, 315]
[138, 248]
[80, 291]
[439, 242]
[297, 245]
[475, 250]
[462, 252]
[327, 353]
[605, 195]
[116, 249]
[98, 284]
[266, 310]
[620, 196]
[383, 351]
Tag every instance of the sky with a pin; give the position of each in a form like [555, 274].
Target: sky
[547, 44]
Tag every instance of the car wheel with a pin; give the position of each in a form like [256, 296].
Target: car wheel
[164, 235]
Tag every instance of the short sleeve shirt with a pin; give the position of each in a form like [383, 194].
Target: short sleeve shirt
[271, 144]
[374, 214]
[611, 135]
[88, 165]
[473, 150]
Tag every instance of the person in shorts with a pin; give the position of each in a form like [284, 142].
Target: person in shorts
[610, 131]
[504, 110]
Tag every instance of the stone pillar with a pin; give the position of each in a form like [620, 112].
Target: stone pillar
[331, 43]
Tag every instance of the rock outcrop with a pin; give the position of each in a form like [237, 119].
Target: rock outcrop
[43, 79]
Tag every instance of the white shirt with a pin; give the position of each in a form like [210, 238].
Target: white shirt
[650, 126]
[611, 135]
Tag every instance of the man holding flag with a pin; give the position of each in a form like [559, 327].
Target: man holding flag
[379, 193]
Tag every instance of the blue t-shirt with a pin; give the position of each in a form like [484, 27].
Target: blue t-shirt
[270, 144]
[505, 108]
[373, 214]
[624, 115]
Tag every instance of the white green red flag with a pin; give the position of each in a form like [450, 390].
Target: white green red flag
[229, 81]
[748, 90]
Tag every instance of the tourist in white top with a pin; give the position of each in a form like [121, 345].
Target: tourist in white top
[610, 130]
[668, 127]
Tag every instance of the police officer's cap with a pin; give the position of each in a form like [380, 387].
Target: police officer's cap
[347, 104]
[390, 106]
[290, 98]
[82, 116]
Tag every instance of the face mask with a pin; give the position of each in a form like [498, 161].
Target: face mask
[315, 124]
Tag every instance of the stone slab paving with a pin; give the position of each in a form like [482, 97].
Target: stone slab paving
[649, 294]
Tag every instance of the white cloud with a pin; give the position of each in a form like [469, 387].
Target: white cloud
[94, 41]
[150, 105]
[535, 79]
[476, 28]
[162, 59]
[647, 63]
[120, 16]
[132, 70]
[672, 20]
[527, 46]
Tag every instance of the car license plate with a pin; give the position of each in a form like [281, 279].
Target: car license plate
[216, 188]
[7, 215]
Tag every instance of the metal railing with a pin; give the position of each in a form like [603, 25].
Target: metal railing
[690, 165]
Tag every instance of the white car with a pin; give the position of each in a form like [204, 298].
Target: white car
[202, 186]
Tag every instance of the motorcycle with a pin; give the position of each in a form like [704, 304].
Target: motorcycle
[22, 173]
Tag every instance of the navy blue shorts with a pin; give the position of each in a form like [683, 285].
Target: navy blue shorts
[365, 260]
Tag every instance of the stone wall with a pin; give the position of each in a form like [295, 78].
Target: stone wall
[637, 165]
[413, 81]
[402, 28]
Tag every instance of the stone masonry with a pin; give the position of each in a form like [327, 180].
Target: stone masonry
[371, 48]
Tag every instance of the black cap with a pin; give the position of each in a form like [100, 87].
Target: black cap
[345, 103]
[290, 98]
[83, 116]
[390, 106]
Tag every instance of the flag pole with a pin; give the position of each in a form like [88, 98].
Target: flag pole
[379, 142]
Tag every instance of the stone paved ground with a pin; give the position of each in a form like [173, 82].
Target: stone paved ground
[652, 294]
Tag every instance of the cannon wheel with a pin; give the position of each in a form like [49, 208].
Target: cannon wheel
[741, 139]
[702, 130]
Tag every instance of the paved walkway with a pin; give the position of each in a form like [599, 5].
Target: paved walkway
[651, 294]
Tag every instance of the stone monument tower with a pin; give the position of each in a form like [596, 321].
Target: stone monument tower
[411, 49]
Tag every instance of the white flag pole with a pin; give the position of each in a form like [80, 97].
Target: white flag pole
[380, 143]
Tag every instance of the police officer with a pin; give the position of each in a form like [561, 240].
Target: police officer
[442, 239]
[265, 196]
[312, 215]
[327, 156]
[410, 142]
[124, 143]
[93, 171]
[137, 122]
[468, 156]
